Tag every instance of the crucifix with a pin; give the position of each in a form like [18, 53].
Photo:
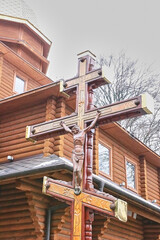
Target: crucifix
[81, 122]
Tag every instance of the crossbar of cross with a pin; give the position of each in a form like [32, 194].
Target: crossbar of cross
[121, 110]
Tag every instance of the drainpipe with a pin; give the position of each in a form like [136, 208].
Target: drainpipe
[50, 211]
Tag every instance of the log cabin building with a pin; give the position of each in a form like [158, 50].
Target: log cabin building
[121, 165]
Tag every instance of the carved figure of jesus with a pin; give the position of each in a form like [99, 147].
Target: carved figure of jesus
[78, 152]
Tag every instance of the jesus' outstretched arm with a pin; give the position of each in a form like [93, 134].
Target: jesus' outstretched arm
[92, 123]
[67, 129]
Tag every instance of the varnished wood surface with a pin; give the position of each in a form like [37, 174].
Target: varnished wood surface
[12, 133]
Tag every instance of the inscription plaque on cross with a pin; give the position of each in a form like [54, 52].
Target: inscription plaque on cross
[85, 113]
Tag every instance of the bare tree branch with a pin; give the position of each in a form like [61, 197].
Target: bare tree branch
[129, 79]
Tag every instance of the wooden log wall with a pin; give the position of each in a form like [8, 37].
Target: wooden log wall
[151, 231]
[7, 78]
[12, 132]
[95, 152]
[23, 212]
[31, 84]
[153, 186]
[61, 224]
[15, 217]
[113, 229]
[7, 74]
[99, 225]
[50, 115]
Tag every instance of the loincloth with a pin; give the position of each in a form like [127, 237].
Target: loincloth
[78, 156]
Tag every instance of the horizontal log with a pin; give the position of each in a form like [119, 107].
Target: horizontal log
[15, 215]
[39, 211]
[23, 150]
[20, 121]
[9, 139]
[21, 233]
[11, 185]
[10, 192]
[32, 182]
[27, 187]
[7, 118]
[14, 221]
[39, 197]
[19, 145]
[38, 204]
[18, 130]
[153, 190]
[10, 209]
[22, 155]
[13, 203]
[25, 238]
[58, 141]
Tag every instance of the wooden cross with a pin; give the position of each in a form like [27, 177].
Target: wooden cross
[104, 204]
[85, 112]
[87, 79]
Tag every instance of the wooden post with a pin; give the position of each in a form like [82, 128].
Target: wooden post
[89, 162]
[59, 140]
[89, 218]
[143, 177]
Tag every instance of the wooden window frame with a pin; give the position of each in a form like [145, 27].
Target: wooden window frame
[23, 79]
[110, 160]
[136, 174]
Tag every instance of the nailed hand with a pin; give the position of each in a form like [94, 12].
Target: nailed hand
[62, 123]
[98, 112]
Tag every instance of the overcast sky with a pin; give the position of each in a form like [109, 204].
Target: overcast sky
[103, 26]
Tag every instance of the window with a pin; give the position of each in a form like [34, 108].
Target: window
[131, 174]
[19, 85]
[104, 159]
